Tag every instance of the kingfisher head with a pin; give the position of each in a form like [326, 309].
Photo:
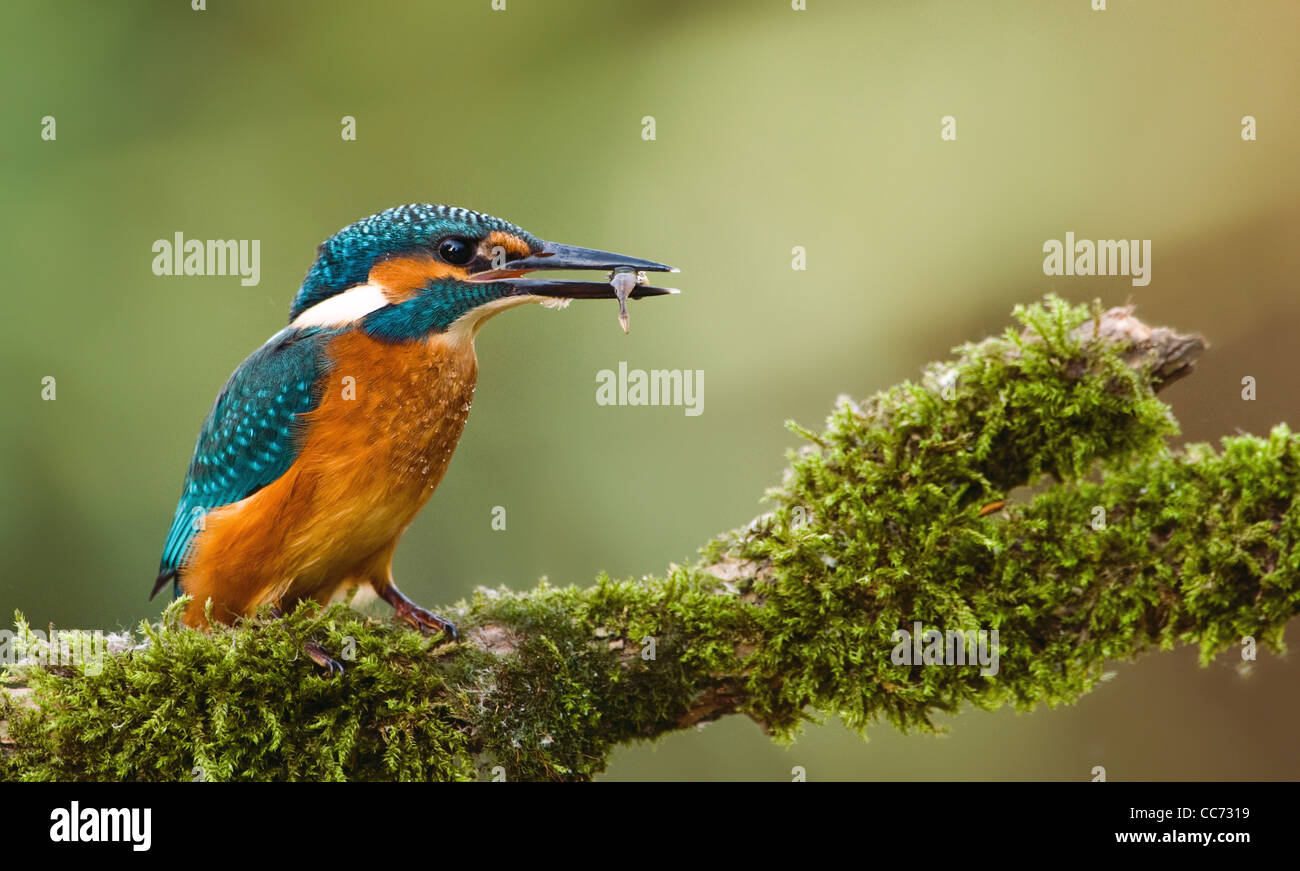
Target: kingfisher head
[416, 270]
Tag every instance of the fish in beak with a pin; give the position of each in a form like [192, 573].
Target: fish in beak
[626, 279]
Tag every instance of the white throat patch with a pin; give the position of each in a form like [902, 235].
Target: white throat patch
[343, 308]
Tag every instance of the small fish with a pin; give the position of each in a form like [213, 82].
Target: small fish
[625, 280]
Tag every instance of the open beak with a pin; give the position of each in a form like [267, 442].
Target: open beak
[553, 257]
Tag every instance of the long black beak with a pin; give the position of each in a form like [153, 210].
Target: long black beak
[553, 256]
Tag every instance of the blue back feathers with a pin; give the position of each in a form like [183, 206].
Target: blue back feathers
[251, 435]
[344, 259]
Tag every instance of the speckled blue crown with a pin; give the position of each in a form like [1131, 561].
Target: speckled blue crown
[344, 259]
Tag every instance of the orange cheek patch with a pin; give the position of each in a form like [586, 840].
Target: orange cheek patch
[512, 244]
[403, 277]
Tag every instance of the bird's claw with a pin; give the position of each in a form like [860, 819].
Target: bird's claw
[425, 620]
[318, 655]
[421, 618]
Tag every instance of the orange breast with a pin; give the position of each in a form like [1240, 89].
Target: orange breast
[376, 447]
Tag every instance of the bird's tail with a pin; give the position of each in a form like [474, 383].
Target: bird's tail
[168, 575]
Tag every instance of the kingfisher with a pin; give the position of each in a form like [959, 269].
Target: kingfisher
[327, 440]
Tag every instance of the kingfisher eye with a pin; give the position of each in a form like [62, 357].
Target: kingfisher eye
[456, 251]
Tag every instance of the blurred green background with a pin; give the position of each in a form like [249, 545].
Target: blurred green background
[775, 128]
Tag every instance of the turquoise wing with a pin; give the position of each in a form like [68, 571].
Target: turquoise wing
[251, 436]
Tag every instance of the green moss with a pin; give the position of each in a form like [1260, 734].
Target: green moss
[878, 525]
[245, 703]
[596, 667]
[893, 489]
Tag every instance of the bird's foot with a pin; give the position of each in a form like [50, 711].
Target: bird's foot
[318, 655]
[425, 620]
[421, 618]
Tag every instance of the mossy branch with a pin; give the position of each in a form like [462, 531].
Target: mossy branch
[907, 508]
